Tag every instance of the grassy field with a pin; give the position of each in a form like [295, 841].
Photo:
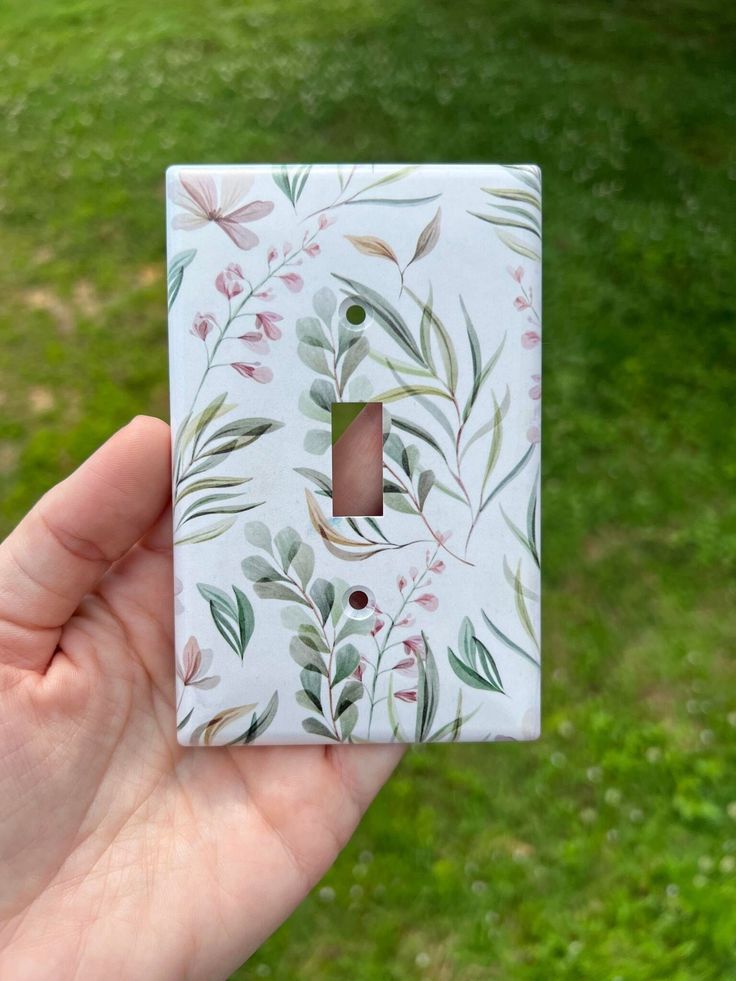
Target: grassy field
[608, 849]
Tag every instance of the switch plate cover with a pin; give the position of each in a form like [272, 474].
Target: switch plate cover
[292, 288]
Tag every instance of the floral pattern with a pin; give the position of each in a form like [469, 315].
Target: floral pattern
[448, 647]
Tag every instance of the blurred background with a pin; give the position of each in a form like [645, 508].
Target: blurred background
[608, 849]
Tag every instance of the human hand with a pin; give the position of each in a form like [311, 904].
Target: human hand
[123, 855]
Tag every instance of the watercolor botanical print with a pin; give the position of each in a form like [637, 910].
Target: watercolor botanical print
[296, 288]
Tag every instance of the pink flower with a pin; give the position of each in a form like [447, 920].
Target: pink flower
[230, 282]
[536, 390]
[257, 372]
[533, 433]
[266, 321]
[292, 281]
[194, 663]
[407, 666]
[521, 303]
[427, 601]
[377, 627]
[255, 342]
[414, 645]
[530, 338]
[312, 250]
[517, 274]
[413, 572]
[287, 248]
[271, 255]
[197, 194]
[401, 583]
[264, 295]
[360, 670]
[438, 567]
[408, 695]
[325, 222]
[203, 324]
[404, 622]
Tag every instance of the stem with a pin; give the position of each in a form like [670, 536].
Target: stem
[381, 650]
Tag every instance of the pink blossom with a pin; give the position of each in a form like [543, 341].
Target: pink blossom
[292, 281]
[438, 567]
[407, 666]
[255, 342]
[401, 583]
[203, 324]
[377, 627]
[517, 274]
[271, 255]
[427, 601]
[264, 295]
[325, 221]
[414, 645]
[266, 321]
[413, 572]
[404, 622]
[536, 390]
[256, 371]
[202, 202]
[521, 303]
[230, 282]
[312, 250]
[360, 670]
[533, 433]
[287, 248]
[530, 339]
[408, 695]
[193, 666]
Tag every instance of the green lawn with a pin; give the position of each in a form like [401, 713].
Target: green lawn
[608, 849]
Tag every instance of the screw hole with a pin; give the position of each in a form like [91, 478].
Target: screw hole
[355, 314]
[358, 599]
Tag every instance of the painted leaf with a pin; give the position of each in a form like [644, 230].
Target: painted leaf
[323, 594]
[346, 662]
[287, 542]
[175, 274]
[257, 569]
[425, 484]
[317, 441]
[206, 534]
[303, 564]
[277, 590]
[325, 304]
[257, 533]
[428, 238]
[317, 728]
[498, 633]
[387, 316]
[409, 391]
[259, 723]
[352, 692]
[370, 245]
[310, 331]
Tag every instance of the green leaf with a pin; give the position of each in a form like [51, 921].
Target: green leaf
[407, 391]
[348, 721]
[257, 533]
[351, 627]
[309, 331]
[210, 483]
[498, 633]
[347, 660]
[312, 685]
[259, 723]
[497, 220]
[317, 441]
[518, 246]
[206, 534]
[225, 628]
[352, 692]
[407, 426]
[306, 657]
[521, 608]
[287, 542]
[511, 475]
[314, 358]
[303, 564]
[187, 717]
[323, 394]
[428, 689]
[495, 447]
[246, 619]
[325, 304]
[397, 366]
[514, 194]
[386, 316]
[424, 486]
[465, 642]
[397, 202]
[531, 516]
[353, 357]
[323, 594]
[444, 341]
[466, 674]
[311, 410]
[323, 482]
[175, 274]
[214, 595]
[239, 433]
[204, 501]
[317, 728]
[257, 569]
[277, 590]
[490, 670]
[397, 502]
[519, 535]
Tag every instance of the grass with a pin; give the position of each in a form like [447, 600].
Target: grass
[608, 849]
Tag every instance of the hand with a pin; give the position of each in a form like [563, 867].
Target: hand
[123, 855]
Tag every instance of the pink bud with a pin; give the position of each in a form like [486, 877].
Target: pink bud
[255, 342]
[533, 434]
[203, 324]
[401, 583]
[312, 250]
[292, 281]
[259, 373]
[271, 255]
[408, 695]
[427, 601]
[530, 338]
[266, 320]
[325, 222]
[438, 567]
[521, 303]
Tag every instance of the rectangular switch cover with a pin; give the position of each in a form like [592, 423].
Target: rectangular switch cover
[355, 365]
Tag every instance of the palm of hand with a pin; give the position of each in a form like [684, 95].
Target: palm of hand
[117, 846]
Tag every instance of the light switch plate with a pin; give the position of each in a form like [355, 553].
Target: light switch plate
[292, 288]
